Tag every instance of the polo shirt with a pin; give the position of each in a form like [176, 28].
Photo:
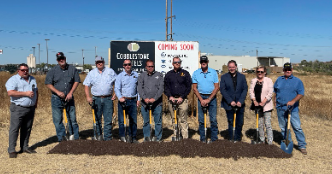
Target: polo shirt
[205, 81]
[286, 90]
[177, 83]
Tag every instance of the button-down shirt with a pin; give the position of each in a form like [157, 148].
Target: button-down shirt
[177, 83]
[101, 82]
[62, 79]
[151, 86]
[126, 85]
[286, 90]
[17, 83]
[205, 81]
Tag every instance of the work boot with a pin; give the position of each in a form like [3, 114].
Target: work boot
[13, 155]
[303, 151]
[123, 139]
[147, 139]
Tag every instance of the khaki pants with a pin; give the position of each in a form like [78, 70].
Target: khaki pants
[182, 115]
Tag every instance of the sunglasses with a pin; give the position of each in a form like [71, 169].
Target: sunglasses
[177, 62]
[287, 69]
[127, 64]
[260, 72]
[24, 70]
[61, 58]
[150, 66]
[99, 62]
[204, 61]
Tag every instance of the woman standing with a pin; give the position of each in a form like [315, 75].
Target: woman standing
[261, 90]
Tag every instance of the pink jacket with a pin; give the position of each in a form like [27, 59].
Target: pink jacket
[267, 92]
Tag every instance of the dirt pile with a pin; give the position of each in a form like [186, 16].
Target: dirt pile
[186, 148]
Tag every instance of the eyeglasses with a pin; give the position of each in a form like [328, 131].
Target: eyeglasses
[150, 66]
[61, 58]
[127, 64]
[24, 70]
[203, 61]
[99, 62]
[259, 72]
[177, 62]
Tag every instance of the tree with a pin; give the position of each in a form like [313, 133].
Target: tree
[87, 66]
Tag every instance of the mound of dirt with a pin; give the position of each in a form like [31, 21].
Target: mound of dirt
[188, 148]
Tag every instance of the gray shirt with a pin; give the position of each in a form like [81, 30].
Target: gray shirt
[62, 79]
[151, 86]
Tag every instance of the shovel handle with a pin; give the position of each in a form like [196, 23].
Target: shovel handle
[175, 120]
[150, 117]
[288, 121]
[124, 117]
[257, 120]
[65, 115]
[94, 117]
[234, 120]
[204, 120]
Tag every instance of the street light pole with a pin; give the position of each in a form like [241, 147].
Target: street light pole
[47, 51]
[38, 54]
[95, 51]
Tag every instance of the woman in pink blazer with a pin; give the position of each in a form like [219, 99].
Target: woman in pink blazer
[261, 90]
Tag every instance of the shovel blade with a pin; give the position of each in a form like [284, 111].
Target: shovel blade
[287, 148]
[100, 138]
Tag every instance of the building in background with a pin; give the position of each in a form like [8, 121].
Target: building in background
[31, 61]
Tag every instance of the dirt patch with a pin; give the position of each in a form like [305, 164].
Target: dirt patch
[187, 149]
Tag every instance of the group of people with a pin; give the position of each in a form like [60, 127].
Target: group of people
[145, 90]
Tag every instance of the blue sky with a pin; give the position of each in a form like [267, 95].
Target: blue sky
[299, 29]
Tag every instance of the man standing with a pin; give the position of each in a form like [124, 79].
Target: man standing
[101, 80]
[177, 87]
[289, 90]
[233, 88]
[150, 89]
[205, 86]
[22, 89]
[63, 80]
[126, 91]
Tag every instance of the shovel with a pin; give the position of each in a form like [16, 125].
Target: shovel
[177, 133]
[257, 108]
[68, 136]
[286, 145]
[127, 138]
[98, 137]
[235, 108]
[204, 108]
[149, 106]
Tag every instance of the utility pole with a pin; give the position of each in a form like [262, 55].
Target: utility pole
[95, 51]
[47, 51]
[83, 58]
[166, 20]
[257, 57]
[38, 54]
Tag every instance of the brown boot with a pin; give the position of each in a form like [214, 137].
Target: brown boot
[303, 151]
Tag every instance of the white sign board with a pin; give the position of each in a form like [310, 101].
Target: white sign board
[187, 51]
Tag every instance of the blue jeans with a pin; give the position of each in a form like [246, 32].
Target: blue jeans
[296, 125]
[238, 123]
[157, 115]
[131, 111]
[104, 106]
[57, 114]
[212, 108]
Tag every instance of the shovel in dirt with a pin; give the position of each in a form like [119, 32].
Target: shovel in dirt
[126, 138]
[286, 145]
[98, 137]
[68, 136]
[177, 133]
[149, 106]
[235, 108]
[257, 109]
[204, 108]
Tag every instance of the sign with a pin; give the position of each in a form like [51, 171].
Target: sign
[137, 52]
[0, 51]
[187, 51]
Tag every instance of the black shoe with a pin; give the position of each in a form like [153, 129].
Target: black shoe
[13, 155]
[134, 141]
[30, 151]
[147, 139]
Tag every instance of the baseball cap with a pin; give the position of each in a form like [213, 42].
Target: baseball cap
[99, 58]
[203, 58]
[60, 55]
[288, 65]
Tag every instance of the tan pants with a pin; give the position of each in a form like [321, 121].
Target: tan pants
[182, 115]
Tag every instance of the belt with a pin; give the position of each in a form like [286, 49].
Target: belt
[25, 106]
[130, 98]
[103, 96]
[205, 94]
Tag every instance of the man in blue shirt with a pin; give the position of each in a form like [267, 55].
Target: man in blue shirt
[22, 89]
[233, 88]
[289, 90]
[63, 80]
[205, 86]
[101, 80]
[126, 91]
